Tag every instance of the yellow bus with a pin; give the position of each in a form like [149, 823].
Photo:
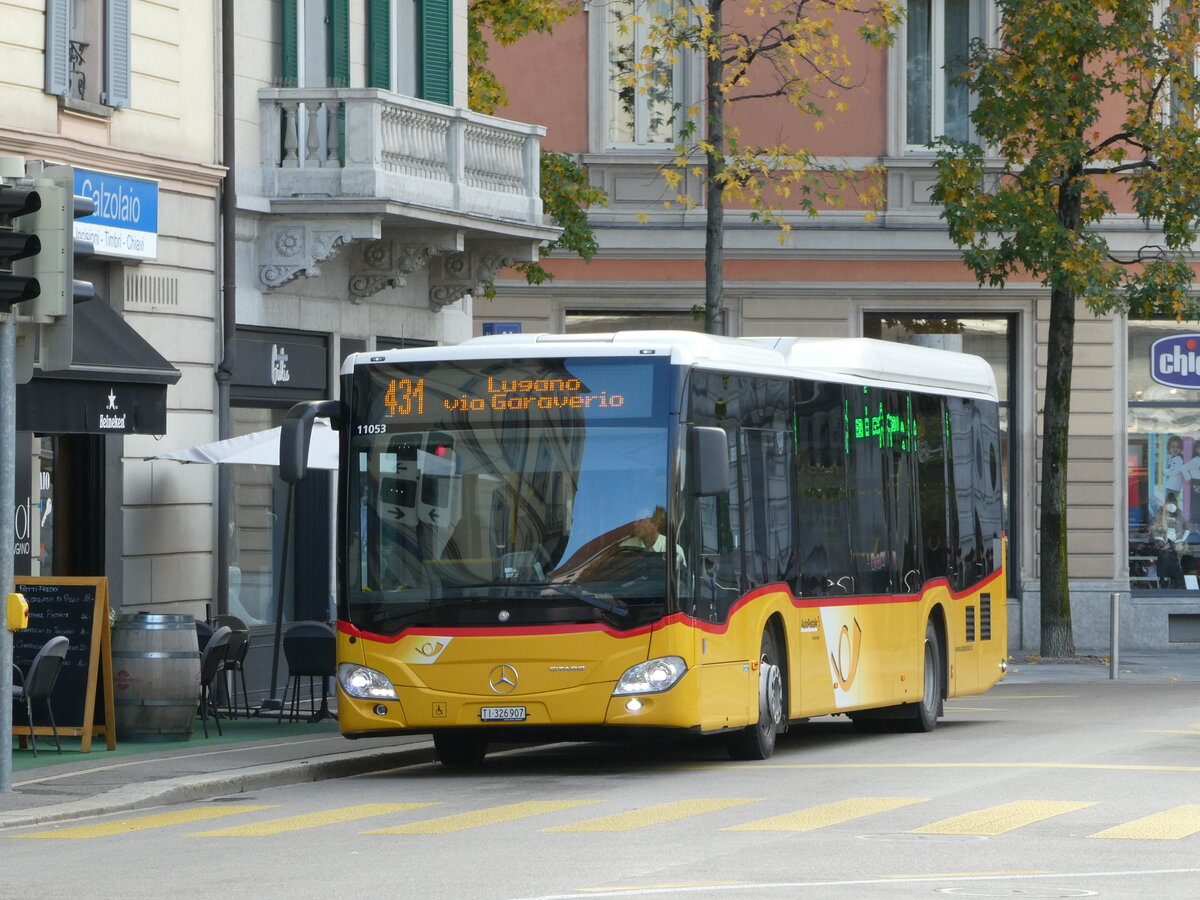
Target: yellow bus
[578, 537]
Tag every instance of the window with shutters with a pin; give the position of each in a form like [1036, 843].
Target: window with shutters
[87, 51]
[410, 48]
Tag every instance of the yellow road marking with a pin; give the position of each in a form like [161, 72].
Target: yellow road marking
[492, 816]
[828, 814]
[652, 815]
[144, 823]
[1001, 819]
[1170, 825]
[311, 820]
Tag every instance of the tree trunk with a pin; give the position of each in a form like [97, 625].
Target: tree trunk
[1057, 638]
[714, 205]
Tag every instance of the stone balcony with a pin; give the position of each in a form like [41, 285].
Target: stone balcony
[414, 182]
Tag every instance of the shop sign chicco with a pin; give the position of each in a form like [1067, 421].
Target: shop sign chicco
[1175, 361]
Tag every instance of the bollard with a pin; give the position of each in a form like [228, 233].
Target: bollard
[1114, 638]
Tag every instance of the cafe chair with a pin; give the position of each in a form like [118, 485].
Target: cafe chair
[38, 684]
[203, 632]
[233, 669]
[211, 661]
[310, 649]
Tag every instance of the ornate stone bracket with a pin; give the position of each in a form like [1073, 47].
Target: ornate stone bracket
[387, 264]
[454, 276]
[287, 251]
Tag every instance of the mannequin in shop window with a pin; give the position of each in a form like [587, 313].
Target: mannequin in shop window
[1168, 535]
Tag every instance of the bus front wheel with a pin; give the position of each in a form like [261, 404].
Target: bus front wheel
[757, 741]
[460, 748]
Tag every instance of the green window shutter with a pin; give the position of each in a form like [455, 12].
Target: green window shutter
[379, 44]
[339, 43]
[288, 39]
[437, 52]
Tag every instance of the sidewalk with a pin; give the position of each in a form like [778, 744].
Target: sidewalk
[253, 753]
[264, 752]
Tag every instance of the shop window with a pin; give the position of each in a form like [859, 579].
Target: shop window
[603, 321]
[1163, 456]
[87, 51]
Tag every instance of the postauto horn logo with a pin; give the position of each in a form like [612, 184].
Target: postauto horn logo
[1175, 361]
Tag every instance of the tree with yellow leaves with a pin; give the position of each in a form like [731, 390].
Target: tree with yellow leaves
[1080, 105]
[789, 51]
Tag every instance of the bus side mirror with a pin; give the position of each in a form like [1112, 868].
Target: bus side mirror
[708, 459]
[295, 436]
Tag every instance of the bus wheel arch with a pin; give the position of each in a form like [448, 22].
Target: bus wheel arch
[757, 740]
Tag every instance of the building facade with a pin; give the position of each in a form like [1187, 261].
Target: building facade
[121, 92]
[895, 275]
[318, 188]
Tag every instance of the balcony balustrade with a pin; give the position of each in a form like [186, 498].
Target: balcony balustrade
[355, 143]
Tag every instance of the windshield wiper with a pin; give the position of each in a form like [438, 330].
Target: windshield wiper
[576, 594]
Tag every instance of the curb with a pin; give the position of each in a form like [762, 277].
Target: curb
[234, 781]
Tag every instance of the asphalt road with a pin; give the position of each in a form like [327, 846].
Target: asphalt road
[1032, 790]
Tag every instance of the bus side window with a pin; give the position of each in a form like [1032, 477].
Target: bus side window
[932, 483]
[822, 537]
[965, 547]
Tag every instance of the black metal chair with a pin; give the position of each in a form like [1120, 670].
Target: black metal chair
[311, 651]
[233, 668]
[203, 632]
[38, 683]
[211, 661]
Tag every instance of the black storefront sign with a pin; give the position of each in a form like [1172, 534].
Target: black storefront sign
[275, 368]
[117, 382]
[70, 406]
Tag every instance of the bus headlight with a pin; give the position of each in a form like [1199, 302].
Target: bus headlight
[365, 684]
[651, 677]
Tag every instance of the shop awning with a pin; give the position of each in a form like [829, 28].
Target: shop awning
[117, 382]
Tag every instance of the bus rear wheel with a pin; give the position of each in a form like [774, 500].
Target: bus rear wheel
[925, 713]
[460, 748]
[757, 741]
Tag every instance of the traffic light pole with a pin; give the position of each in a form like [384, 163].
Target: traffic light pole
[8, 477]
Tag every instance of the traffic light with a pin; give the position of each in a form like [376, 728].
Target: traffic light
[53, 267]
[17, 202]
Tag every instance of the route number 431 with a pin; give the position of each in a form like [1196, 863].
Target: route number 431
[405, 396]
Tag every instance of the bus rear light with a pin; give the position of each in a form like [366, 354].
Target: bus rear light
[364, 683]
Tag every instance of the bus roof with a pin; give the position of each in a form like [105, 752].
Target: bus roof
[851, 360]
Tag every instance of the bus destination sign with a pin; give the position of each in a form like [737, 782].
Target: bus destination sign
[588, 387]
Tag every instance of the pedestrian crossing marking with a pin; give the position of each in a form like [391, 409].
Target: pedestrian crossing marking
[1169, 825]
[1003, 818]
[828, 814]
[491, 816]
[145, 823]
[312, 820]
[652, 815]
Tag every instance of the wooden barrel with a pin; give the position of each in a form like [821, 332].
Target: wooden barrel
[156, 677]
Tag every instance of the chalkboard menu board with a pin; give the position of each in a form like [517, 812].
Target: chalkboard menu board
[77, 609]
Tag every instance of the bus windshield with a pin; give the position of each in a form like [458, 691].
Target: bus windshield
[509, 492]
